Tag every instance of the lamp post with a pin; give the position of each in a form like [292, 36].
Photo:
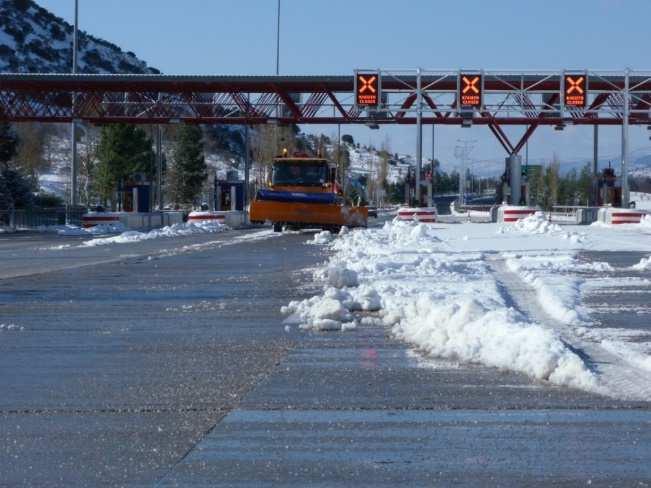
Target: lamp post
[74, 168]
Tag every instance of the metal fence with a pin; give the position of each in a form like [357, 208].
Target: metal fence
[38, 217]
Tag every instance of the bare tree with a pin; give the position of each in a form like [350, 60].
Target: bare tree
[87, 157]
[31, 150]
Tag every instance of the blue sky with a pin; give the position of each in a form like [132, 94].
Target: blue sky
[337, 36]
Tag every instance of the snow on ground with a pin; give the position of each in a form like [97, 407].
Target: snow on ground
[176, 230]
[435, 288]
[74, 231]
[642, 200]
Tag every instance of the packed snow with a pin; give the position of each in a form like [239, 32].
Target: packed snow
[175, 230]
[96, 230]
[436, 288]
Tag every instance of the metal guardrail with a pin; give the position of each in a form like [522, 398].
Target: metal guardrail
[40, 217]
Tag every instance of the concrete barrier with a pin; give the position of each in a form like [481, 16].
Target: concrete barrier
[207, 216]
[423, 214]
[616, 216]
[573, 215]
[133, 220]
[232, 218]
[91, 219]
[512, 213]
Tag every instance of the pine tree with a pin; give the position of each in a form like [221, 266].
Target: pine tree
[15, 189]
[123, 151]
[189, 170]
[8, 143]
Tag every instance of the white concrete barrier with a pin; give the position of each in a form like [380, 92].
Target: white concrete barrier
[91, 219]
[479, 216]
[423, 214]
[512, 213]
[207, 216]
[133, 220]
[615, 216]
[232, 218]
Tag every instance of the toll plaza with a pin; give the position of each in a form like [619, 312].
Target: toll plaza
[372, 97]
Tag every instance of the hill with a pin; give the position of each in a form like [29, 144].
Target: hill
[34, 40]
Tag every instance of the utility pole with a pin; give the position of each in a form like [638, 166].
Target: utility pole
[74, 167]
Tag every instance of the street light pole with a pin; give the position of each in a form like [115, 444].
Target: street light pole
[74, 168]
[278, 39]
[276, 149]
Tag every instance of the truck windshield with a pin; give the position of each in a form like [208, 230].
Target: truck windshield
[300, 173]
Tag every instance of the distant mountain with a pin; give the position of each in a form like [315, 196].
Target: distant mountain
[34, 40]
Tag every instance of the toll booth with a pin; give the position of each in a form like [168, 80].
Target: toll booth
[609, 188]
[229, 193]
[136, 194]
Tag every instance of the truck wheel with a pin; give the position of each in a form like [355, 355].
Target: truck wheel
[334, 229]
[278, 227]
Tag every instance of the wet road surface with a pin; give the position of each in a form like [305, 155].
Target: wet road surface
[177, 371]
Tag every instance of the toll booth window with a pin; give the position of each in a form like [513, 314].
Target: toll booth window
[299, 173]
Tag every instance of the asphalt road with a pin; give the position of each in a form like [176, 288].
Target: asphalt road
[166, 364]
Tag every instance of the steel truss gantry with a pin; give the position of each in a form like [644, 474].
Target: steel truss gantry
[525, 98]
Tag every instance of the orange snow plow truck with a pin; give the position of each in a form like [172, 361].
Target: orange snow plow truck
[304, 193]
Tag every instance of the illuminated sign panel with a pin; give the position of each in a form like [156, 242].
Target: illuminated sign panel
[470, 90]
[367, 89]
[575, 90]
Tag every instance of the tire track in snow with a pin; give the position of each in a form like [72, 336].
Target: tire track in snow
[619, 378]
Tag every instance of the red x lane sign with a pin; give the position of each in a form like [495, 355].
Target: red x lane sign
[367, 89]
[576, 90]
[470, 90]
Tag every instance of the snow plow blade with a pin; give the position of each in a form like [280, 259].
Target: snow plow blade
[304, 214]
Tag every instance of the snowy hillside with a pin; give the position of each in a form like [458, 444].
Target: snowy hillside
[33, 39]
[366, 161]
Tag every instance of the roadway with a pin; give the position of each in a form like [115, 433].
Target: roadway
[166, 363]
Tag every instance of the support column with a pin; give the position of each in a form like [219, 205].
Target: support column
[514, 163]
[419, 134]
[432, 182]
[159, 166]
[624, 169]
[247, 165]
[595, 168]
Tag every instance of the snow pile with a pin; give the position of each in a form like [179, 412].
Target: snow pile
[536, 224]
[176, 230]
[341, 277]
[323, 237]
[645, 223]
[491, 334]
[445, 303]
[96, 230]
[643, 265]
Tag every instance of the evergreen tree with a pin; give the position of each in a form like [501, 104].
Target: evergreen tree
[189, 170]
[8, 143]
[15, 188]
[123, 151]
